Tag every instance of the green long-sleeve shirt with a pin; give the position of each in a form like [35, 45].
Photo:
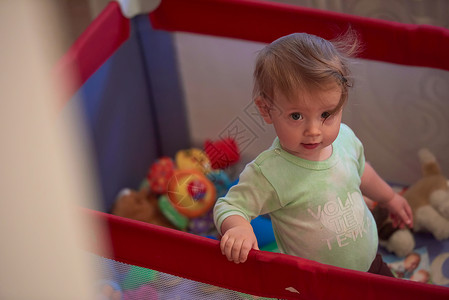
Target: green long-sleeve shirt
[316, 207]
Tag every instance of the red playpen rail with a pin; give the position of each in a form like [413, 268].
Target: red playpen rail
[264, 273]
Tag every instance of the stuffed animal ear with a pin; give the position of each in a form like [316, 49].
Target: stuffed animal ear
[264, 109]
[429, 163]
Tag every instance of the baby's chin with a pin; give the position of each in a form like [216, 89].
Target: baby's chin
[305, 153]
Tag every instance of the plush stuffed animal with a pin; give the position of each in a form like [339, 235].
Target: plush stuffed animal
[399, 241]
[140, 205]
[429, 200]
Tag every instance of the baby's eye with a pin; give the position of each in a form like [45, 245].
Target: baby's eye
[325, 115]
[296, 116]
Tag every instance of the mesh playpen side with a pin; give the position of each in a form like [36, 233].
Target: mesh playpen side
[198, 258]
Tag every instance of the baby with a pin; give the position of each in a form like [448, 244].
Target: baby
[311, 180]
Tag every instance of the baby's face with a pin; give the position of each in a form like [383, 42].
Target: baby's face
[304, 125]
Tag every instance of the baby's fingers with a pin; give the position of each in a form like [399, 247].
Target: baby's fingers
[237, 255]
[226, 246]
[236, 250]
[244, 251]
[409, 215]
[403, 219]
[231, 248]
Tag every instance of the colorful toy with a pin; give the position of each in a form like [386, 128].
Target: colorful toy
[181, 194]
[191, 193]
[137, 277]
[169, 211]
[193, 159]
[221, 182]
[222, 153]
[160, 173]
[202, 225]
[263, 230]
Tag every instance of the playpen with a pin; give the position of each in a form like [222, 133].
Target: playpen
[126, 77]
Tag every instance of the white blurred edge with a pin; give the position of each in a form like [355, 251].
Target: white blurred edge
[45, 170]
[132, 8]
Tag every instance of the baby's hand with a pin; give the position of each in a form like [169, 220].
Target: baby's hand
[237, 242]
[400, 211]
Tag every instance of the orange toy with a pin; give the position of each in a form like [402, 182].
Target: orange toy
[191, 193]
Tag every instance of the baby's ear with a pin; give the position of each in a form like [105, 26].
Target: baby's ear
[264, 109]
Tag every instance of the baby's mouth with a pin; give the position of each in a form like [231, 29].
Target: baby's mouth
[310, 146]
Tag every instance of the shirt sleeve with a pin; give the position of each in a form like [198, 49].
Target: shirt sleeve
[252, 196]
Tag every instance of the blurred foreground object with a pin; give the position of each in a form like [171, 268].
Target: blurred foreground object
[44, 174]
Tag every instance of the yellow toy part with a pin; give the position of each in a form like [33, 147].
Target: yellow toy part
[193, 159]
[191, 193]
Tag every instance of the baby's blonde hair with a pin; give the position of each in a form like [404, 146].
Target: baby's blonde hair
[304, 62]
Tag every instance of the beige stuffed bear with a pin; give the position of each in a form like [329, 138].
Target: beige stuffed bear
[141, 205]
[429, 198]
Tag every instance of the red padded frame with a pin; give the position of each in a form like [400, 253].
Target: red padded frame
[264, 273]
[406, 44]
[95, 45]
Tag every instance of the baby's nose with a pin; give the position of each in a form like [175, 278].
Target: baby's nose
[313, 128]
